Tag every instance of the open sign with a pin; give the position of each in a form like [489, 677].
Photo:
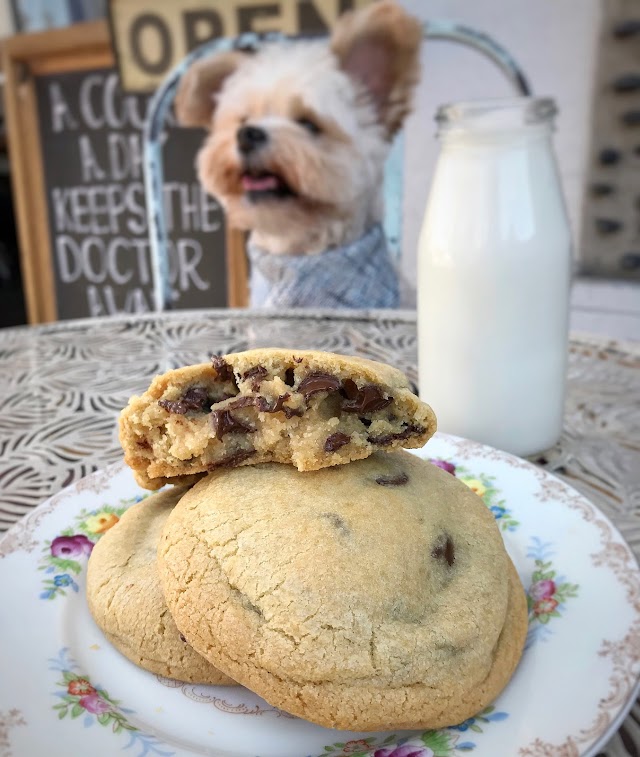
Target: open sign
[152, 36]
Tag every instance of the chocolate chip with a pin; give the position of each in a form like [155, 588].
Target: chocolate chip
[183, 639]
[289, 377]
[235, 458]
[446, 549]
[297, 360]
[318, 382]
[337, 522]
[366, 399]
[257, 373]
[195, 398]
[224, 371]
[222, 422]
[349, 389]
[278, 406]
[257, 370]
[173, 406]
[384, 439]
[242, 402]
[399, 479]
[366, 422]
[264, 407]
[335, 441]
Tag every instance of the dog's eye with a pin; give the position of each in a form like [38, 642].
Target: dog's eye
[311, 126]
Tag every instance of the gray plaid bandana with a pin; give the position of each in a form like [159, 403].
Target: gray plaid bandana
[358, 275]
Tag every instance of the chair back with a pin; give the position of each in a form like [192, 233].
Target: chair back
[237, 268]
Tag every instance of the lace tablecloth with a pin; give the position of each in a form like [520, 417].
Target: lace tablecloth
[64, 384]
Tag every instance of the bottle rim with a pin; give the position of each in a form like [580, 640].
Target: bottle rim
[498, 113]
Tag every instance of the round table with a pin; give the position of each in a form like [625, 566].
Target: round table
[64, 384]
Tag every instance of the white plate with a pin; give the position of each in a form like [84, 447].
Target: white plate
[65, 692]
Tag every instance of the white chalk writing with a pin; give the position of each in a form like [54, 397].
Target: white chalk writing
[98, 212]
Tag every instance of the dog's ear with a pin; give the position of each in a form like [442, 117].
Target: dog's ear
[196, 96]
[379, 47]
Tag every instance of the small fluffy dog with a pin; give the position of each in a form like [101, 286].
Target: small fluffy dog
[299, 134]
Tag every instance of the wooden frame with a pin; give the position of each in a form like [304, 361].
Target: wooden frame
[23, 57]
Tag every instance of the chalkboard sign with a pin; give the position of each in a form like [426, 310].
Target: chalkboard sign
[92, 138]
[76, 162]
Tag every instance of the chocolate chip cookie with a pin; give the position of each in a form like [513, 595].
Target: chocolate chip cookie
[370, 596]
[126, 601]
[310, 409]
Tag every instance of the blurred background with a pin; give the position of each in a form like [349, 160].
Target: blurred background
[583, 53]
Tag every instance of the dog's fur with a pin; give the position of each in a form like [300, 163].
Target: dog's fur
[328, 112]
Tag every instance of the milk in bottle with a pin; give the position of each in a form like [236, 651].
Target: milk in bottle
[494, 266]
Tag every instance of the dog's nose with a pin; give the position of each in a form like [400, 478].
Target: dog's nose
[250, 138]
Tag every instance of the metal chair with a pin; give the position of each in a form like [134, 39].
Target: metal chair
[236, 264]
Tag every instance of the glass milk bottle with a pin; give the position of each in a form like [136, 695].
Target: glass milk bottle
[494, 269]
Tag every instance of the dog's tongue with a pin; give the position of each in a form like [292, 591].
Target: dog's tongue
[259, 183]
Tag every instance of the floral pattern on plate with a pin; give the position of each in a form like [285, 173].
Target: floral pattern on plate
[79, 697]
[445, 743]
[64, 556]
[484, 486]
[9, 720]
[548, 592]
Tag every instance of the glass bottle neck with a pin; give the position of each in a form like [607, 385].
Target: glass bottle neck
[496, 121]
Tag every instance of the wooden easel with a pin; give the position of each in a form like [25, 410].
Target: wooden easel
[23, 58]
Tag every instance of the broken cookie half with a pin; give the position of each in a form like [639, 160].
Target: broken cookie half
[310, 409]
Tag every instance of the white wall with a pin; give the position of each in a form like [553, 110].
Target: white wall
[554, 41]
[6, 30]
[6, 19]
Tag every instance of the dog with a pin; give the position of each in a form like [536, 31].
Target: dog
[298, 136]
